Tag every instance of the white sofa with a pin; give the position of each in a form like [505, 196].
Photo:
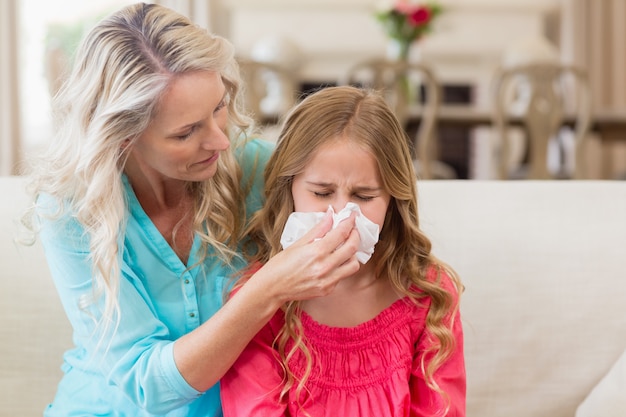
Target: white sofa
[544, 311]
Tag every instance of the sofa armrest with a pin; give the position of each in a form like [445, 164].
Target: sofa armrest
[35, 330]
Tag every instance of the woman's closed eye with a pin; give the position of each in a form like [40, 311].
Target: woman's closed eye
[187, 134]
[221, 105]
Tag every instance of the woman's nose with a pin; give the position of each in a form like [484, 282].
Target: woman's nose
[215, 139]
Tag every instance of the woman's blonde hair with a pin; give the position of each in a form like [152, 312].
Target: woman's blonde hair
[403, 253]
[120, 71]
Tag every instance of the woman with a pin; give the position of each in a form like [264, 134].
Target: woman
[141, 203]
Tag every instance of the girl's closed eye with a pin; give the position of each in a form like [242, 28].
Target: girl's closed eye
[322, 194]
[364, 197]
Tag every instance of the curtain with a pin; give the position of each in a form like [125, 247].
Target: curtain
[593, 38]
[593, 34]
[9, 105]
[206, 13]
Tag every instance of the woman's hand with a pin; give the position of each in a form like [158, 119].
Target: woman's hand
[313, 265]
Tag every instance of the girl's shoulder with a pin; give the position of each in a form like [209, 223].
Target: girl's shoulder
[447, 278]
[443, 277]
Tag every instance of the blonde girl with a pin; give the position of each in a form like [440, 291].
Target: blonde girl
[388, 340]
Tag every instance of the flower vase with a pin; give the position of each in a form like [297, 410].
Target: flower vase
[398, 50]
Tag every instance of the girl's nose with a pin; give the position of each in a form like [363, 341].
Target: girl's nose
[339, 203]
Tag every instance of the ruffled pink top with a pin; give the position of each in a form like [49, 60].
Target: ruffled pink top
[372, 369]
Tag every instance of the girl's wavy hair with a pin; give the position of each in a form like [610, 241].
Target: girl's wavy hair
[403, 253]
[121, 70]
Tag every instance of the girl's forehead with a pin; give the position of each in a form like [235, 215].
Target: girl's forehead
[343, 158]
[343, 141]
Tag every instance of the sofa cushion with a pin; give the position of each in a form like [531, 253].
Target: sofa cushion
[544, 265]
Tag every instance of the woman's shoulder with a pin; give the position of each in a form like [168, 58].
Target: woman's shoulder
[253, 157]
[58, 226]
[254, 151]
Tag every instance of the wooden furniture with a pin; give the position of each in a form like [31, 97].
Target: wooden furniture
[269, 90]
[610, 126]
[408, 87]
[538, 95]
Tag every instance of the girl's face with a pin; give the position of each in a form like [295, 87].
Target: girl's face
[187, 134]
[340, 172]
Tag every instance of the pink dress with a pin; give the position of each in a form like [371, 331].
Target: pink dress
[372, 369]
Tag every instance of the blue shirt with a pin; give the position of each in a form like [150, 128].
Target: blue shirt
[160, 300]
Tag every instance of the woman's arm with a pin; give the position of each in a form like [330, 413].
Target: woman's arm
[140, 355]
[135, 353]
[311, 267]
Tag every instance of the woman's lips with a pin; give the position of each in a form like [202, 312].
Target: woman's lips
[209, 160]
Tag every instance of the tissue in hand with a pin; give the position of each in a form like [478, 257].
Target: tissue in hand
[299, 223]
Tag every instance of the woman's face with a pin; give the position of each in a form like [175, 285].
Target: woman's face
[187, 134]
[340, 172]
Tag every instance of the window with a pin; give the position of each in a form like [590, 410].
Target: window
[37, 38]
[48, 32]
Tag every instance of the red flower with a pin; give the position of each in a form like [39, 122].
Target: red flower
[419, 16]
[408, 21]
[404, 7]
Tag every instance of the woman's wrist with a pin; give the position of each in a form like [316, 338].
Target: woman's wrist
[265, 292]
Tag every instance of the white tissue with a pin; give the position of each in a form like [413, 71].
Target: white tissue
[298, 224]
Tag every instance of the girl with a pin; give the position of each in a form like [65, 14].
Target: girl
[388, 340]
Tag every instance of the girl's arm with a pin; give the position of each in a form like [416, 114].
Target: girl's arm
[252, 386]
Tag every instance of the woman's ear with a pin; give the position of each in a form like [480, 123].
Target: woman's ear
[124, 150]
[124, 145]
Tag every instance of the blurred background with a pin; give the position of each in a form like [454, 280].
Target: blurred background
[317, 42]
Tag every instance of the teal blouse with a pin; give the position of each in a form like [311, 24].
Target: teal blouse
[133, 372]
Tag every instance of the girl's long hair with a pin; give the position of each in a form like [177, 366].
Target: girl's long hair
[403, 253]
[120, 71]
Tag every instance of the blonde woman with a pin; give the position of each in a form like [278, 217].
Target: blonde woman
[388, 340]
[140, 205]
